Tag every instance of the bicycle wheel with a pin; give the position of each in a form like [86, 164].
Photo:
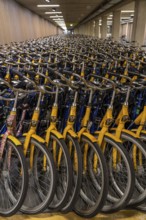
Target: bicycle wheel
[91, 200]
[42, 182]
[121, 176]
[76, 158]
[13, 179]
[130, 143]
[64, 172]
[142, 207]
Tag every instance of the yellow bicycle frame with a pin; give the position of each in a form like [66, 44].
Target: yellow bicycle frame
[32, 134]
[52, 129]
[69, 129]
[122, 118]
[104, 132]
[141, 121]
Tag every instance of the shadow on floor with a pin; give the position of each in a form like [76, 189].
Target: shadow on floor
[122, 215]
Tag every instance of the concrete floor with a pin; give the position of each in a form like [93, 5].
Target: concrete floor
[123, 215]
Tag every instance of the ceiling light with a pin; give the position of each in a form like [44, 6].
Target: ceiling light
[47, 6]
[110, 15]
[53, 9]
[125, 18]
[71, 25]
[127, 11]
[58, 19]
[52, 12]
[56, 16]
[48, 0]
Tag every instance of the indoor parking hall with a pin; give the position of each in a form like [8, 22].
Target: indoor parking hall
[73, 109]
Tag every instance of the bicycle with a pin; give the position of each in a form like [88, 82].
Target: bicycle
[14, 173]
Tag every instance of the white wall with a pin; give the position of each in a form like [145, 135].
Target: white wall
[19, 24]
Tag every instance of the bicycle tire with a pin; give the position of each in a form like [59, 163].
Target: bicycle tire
[39, 193]
[140, 190]
[142, 207]
[18, 160]
[62, 191]
[77, 177]
[89, 204]
[125, 168]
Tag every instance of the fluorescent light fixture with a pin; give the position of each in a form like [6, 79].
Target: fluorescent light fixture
[52, 12]
[125, 17]
[58, 19]
[56, 16]
[48, 6]
[110, 15]
[47, 0]
[59, 22]
[128, 11]
[71, 25]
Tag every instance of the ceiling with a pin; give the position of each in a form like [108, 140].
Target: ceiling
[73, 11]
[129, 6]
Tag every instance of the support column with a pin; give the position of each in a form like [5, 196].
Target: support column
[97, 27]
[88, 28]
[139, 23]
[116, 25]
[81, 32]
[104, 27]
[83, 29]
[92, 28]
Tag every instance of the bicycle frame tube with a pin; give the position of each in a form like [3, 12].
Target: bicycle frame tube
[11, 126]
[52, 128]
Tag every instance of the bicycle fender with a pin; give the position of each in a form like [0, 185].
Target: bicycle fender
[38, 138]
[72, 133]
[57, 134]
[14, 140]
[90, 136]
[112, 136]
[130, 133]
[143, 132]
